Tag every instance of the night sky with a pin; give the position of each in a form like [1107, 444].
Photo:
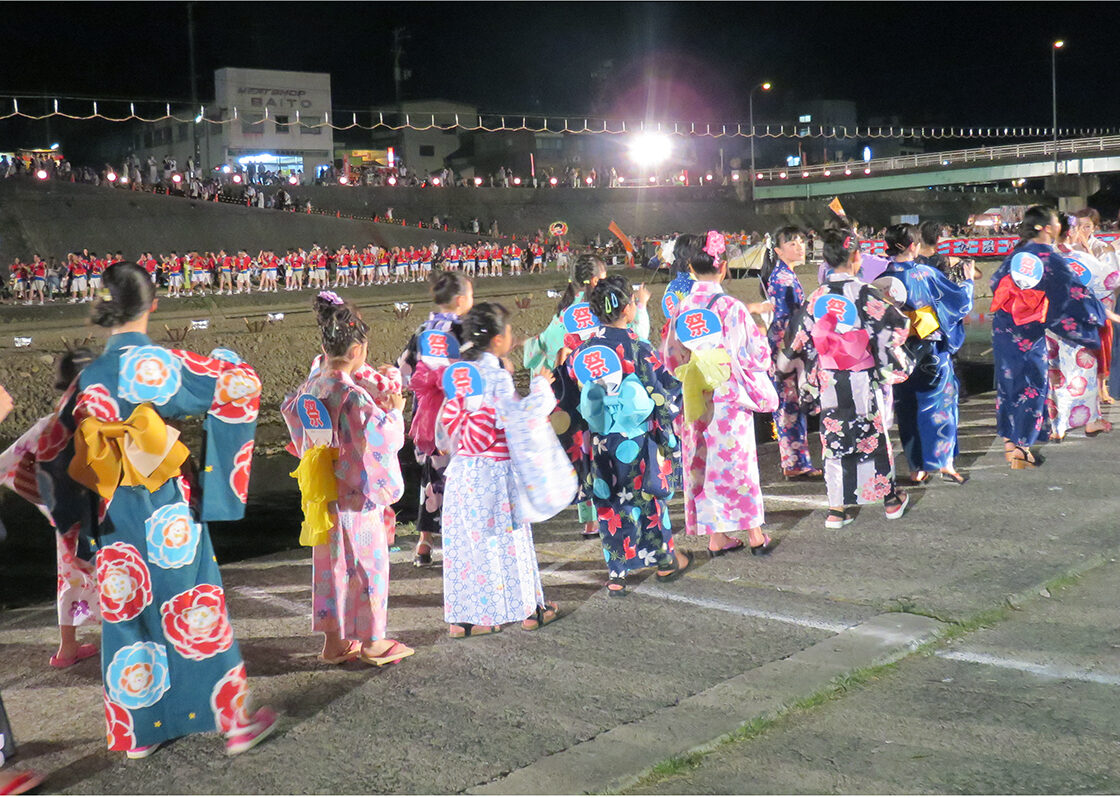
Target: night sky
[926, 63]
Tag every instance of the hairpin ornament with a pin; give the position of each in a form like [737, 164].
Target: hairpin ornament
[332, 297]
[715, 245]
[106, 295]
[847, 241]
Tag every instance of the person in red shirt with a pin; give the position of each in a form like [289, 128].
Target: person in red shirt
[37, 271]
[383, 264]
[515, 258]
[79, 283]
[174, 266]
[224, 264]
[243, 270]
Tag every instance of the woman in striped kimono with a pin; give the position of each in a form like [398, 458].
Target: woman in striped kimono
[848, 340]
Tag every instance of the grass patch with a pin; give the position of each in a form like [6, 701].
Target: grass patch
[677, 765]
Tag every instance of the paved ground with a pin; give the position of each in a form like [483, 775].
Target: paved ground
[594, 701]
[1028, 706]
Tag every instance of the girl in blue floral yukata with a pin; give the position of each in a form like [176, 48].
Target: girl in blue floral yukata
[169, 660]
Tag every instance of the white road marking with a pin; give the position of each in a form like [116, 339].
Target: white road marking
[299, 608]
[749, 612]
[809, 501]
[1049, 671]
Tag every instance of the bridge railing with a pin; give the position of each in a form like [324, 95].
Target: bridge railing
[948, 158]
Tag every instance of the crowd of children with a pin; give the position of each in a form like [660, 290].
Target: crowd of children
[611, 423]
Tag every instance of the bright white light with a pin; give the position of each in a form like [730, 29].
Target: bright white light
[867, 153]
[707, 177]
[552, 181]
[517, 181]
[867, 171]
[123, 180]
[342, 181]
[293, 180]
[435, 181]
[478, 181]
[651, 148]
[176, 179]
[54, 146]
[41, 174]
[263, 157]
[392, 180]
[226, 169]
[827, 172]
[621, 180]
[735, 176]
[847, 171]
[804, 174]
[587, 181]
[782, 175]
[652, 179]
[758, 176]
[237, 178]
[111, 177]
[198, 119]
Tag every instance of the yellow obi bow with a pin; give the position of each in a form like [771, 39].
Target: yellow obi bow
[140, 451]
[705, 371]
[318, 488]
[923, 321]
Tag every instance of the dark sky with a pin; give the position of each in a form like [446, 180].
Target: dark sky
[926, 63]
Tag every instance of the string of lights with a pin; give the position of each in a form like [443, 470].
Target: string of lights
[498, 123]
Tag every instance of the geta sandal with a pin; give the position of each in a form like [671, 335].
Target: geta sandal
[542, 617]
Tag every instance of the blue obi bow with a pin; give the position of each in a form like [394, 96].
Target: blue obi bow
[624, 412]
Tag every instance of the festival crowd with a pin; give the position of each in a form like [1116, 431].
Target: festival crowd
[613, 423]
[80, 277]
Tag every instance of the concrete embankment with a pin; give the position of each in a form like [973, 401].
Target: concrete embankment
[53, 218]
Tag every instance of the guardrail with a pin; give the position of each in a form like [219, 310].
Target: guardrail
[948, 158]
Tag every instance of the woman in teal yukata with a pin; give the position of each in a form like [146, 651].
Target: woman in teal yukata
[170, 664]
[623, 400]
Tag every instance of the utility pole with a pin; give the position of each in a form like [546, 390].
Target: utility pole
[400, 36]
[194, 80]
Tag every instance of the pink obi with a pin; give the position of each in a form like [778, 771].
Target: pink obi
[841, 351]
[478, 431]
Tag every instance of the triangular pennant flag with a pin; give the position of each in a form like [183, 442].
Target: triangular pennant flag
[836, 207]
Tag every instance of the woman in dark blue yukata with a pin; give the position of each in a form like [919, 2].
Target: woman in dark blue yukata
[113, 465]
[783, 291]
[926, 403]
[1035, 291]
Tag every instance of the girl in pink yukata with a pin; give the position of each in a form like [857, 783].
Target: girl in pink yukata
[76, 596]
[335, 409]
[722, 494]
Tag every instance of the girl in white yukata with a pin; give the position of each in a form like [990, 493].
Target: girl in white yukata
[347, 427]
[490, 573]
[1074, 370]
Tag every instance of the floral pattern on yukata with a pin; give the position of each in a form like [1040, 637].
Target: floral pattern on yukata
[159, 668]
[784, 291]
[350, 573]
[718, 456]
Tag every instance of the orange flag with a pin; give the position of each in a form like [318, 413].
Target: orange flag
[627, 244]
[836, 207]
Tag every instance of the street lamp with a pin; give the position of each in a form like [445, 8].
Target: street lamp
[750, 105]
[1058, 45]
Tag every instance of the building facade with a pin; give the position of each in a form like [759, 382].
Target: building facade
[271, 120]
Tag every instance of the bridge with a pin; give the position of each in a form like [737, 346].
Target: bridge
[1069, 165]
